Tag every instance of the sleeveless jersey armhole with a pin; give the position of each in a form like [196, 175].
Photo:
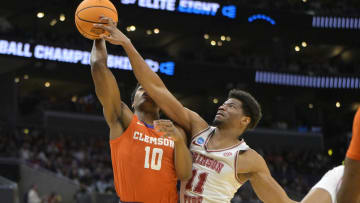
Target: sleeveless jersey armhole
[236, 165]
[131, 125]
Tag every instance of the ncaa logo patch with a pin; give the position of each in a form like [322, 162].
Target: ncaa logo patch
[200, 141]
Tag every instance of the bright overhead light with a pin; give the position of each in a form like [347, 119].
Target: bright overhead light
[223, 38]
[311, 106]
[47, 84]
[74, 98]
[53, 22]
[338, 105]
[17, 80]
[62, 17]
[26, 76]
[303, 44]
[297, 48]
[156, 31]
[213, 43]
[132, 28]
[40, 14]
[148, 32]
[219, 43]
[228, 38]
[206, 36]
[304, 1]
[215, 101]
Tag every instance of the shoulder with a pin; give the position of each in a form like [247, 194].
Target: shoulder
[250, 161]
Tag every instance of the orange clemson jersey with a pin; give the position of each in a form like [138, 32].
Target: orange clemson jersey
[143, 165]
[354, 149]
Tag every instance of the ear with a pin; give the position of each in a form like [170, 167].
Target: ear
[246, 120]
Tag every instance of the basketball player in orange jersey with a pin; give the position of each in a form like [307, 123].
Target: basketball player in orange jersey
[221, 162]
[146, 163]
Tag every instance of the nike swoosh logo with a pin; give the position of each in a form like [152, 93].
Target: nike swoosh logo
[139, 123]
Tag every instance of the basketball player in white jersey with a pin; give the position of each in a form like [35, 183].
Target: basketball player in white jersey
[221, 161]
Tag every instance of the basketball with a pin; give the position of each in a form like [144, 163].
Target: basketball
[88, 13]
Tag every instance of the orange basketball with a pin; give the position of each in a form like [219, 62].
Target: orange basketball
[88, 13]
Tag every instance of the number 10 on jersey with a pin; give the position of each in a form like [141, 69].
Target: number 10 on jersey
[156, 157]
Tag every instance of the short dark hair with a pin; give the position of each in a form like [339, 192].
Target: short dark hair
[250, 106]
[134, 92]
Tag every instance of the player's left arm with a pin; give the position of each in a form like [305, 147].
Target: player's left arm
[264, 185]
[182, 155]
[183, 158]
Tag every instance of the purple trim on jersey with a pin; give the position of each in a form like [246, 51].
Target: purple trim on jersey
[148, 125]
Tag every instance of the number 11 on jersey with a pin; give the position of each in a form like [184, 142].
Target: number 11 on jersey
[199, 187]
[156, 153]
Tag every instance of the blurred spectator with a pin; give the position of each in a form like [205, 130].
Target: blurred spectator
[33, 195]
[53, 198]
[82, 195]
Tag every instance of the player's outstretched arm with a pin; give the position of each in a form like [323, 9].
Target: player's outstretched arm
[264, 185]
[182, 155]
[152, 83]
[106, 88]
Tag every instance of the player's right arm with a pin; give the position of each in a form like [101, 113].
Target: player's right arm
[117, 115]
[350, 188]
[153, 85]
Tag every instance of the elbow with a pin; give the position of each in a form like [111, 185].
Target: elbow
[98, 62]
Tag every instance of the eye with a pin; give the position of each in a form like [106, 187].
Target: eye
[232, 106]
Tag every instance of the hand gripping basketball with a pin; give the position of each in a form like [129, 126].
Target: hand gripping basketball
[115, 36]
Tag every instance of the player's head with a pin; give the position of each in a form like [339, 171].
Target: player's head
[240, 110]
[141, 101]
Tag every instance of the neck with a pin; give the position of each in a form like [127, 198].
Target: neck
[147, 117]
[229, 134]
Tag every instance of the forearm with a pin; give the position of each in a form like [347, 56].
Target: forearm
[98, 57]
[156, 89]
[183, 161]
[268, 189]
[145, 76]
[106, 87]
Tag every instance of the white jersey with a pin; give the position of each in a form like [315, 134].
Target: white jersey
[214, 177]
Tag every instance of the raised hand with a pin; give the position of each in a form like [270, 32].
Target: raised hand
[168, 128]
[114, 36]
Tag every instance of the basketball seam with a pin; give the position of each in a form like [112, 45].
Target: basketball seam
[77, 13]
[89, 21]
[85, 31]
